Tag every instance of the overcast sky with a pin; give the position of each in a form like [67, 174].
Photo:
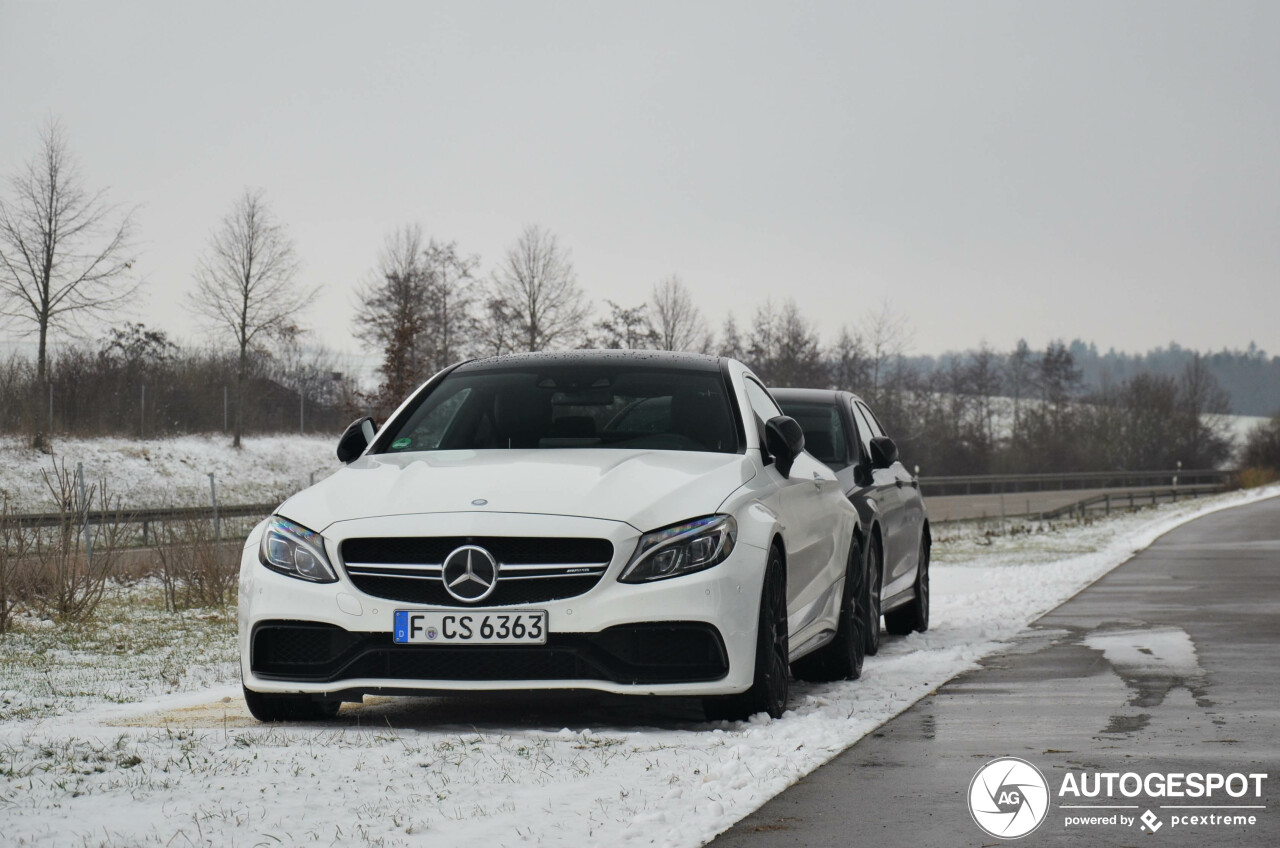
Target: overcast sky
[1103, 170]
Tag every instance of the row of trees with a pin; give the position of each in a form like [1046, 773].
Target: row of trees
[66, 256]
[426, 306]
[984, 411]
[66, 260]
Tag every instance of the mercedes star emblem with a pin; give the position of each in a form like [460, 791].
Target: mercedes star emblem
[469, 574]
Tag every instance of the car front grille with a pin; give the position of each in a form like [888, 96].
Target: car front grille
[646, 653]
[531, 569]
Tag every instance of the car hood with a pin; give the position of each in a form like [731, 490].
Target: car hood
[646, 489]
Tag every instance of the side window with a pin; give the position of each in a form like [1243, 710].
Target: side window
[864, 429]
[837, 439]
[876, 429]
[876, 425]
[761, 403]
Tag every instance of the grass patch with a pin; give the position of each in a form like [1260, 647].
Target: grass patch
[131, 649]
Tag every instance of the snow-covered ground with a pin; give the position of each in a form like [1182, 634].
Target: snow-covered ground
[172, 472]
[190, 768]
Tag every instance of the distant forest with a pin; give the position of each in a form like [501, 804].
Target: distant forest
[1250, 377]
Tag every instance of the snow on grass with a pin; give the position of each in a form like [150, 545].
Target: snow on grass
[172, 472]
[131, 650]
[560, 769]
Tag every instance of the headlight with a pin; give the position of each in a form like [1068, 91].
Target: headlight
[682, 549]
[296, 551]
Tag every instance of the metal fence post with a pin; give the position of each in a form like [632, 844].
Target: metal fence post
[84, 508]
[217, 524]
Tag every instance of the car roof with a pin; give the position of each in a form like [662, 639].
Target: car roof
[812, 395]
[606, 358]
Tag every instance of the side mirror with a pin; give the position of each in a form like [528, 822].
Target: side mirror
[355, 439]
[883, 452]
[785, 439]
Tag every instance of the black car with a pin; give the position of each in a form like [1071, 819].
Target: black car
[841, 431]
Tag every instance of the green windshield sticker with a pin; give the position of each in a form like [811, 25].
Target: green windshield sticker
[401, 443]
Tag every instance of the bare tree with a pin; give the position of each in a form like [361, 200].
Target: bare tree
[451, 324]
[677, 319]
[1020, 377]
[417, 310]
[784, 348]
[625, 329]
[1261, 448]
[391, 314]
[246, 284]
[539, 297]
[1204, 432]
[497, 327]
[64, 252]
[848, 362]
[887, 337]
[983, 379]
[731, 344]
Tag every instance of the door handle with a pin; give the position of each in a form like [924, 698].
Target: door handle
[898, 483]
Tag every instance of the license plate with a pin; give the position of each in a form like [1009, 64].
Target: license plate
[472, 627]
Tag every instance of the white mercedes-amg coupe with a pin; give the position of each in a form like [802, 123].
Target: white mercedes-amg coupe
[626, 521]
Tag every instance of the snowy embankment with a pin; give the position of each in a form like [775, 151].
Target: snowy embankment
[191, 768]
[171, 472]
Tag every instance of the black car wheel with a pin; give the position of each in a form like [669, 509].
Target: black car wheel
[841, 658]
[265, 707]
[771, 688]
[915, 615]
[875, 581]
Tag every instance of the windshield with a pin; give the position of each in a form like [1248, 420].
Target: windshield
[570, 407]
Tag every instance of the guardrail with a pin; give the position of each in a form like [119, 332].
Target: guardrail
[991, 484]
[144, 517]
[1109, 500]
[1196, 481]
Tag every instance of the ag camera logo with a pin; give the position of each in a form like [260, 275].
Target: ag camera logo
[1008, 798]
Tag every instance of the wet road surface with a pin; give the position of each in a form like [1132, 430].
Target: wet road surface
[1168, 664]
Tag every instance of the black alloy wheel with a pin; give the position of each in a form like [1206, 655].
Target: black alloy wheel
[915, 615]
[841, 658]
[875, 581]
[769, 692]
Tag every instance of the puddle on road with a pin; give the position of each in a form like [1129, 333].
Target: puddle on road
[1152, 662]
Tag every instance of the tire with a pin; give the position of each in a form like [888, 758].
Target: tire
[841, 658]
[875, 579]
[265, 707]
[771, 686]
[914, 617]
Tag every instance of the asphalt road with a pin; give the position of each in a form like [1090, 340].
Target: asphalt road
[1168, 664]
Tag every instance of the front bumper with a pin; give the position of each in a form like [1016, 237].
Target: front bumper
[690, 635]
